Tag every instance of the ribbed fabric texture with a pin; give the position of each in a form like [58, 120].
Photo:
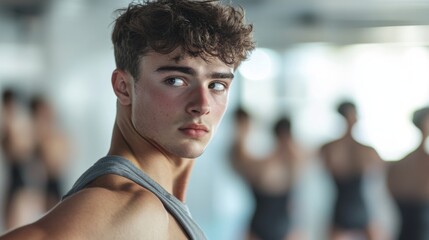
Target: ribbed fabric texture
[122, 167]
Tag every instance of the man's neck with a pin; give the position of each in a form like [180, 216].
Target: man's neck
[171, 173]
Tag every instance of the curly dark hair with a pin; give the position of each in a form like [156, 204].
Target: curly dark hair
[202, 28]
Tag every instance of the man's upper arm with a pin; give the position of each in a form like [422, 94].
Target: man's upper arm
[29, 232]
[65, 221]
[99, 213]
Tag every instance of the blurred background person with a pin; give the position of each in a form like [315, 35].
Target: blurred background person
[270, 178]
[23, 203]
[52, 148]
[349, 163]
[408, 182]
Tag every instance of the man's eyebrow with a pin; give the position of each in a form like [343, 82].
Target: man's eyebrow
[186, 70]
[190, 71]
[222, 75]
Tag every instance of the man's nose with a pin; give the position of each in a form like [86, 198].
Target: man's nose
[199, 103]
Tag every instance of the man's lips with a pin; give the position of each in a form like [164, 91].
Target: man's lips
[194, 130]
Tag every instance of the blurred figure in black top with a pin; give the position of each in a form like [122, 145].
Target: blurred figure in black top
[52, 148]
[408, 181]
[22, 201]
[349, 162]
[270, 179]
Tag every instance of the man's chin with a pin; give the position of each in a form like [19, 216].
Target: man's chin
[192, 153]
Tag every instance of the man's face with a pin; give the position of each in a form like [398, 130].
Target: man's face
[178, 102]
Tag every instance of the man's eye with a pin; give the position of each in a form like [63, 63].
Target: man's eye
[217, 86]
[175, 82]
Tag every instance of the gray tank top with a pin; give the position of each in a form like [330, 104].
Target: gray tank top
[122, 167]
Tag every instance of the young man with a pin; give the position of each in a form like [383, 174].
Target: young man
[175, 61]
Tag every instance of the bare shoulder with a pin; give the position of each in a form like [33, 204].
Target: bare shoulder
[332, 144]
[363, 146]
[103, 213]
[367, 151]
[329, 147]
[404, 167]
[325, 148]
[404, 163]
[392, 168]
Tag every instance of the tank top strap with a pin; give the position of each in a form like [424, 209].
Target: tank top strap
[120, 166]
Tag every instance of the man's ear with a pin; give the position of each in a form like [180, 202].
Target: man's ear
[121, 83]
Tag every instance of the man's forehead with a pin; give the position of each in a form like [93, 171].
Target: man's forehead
[178, 55]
